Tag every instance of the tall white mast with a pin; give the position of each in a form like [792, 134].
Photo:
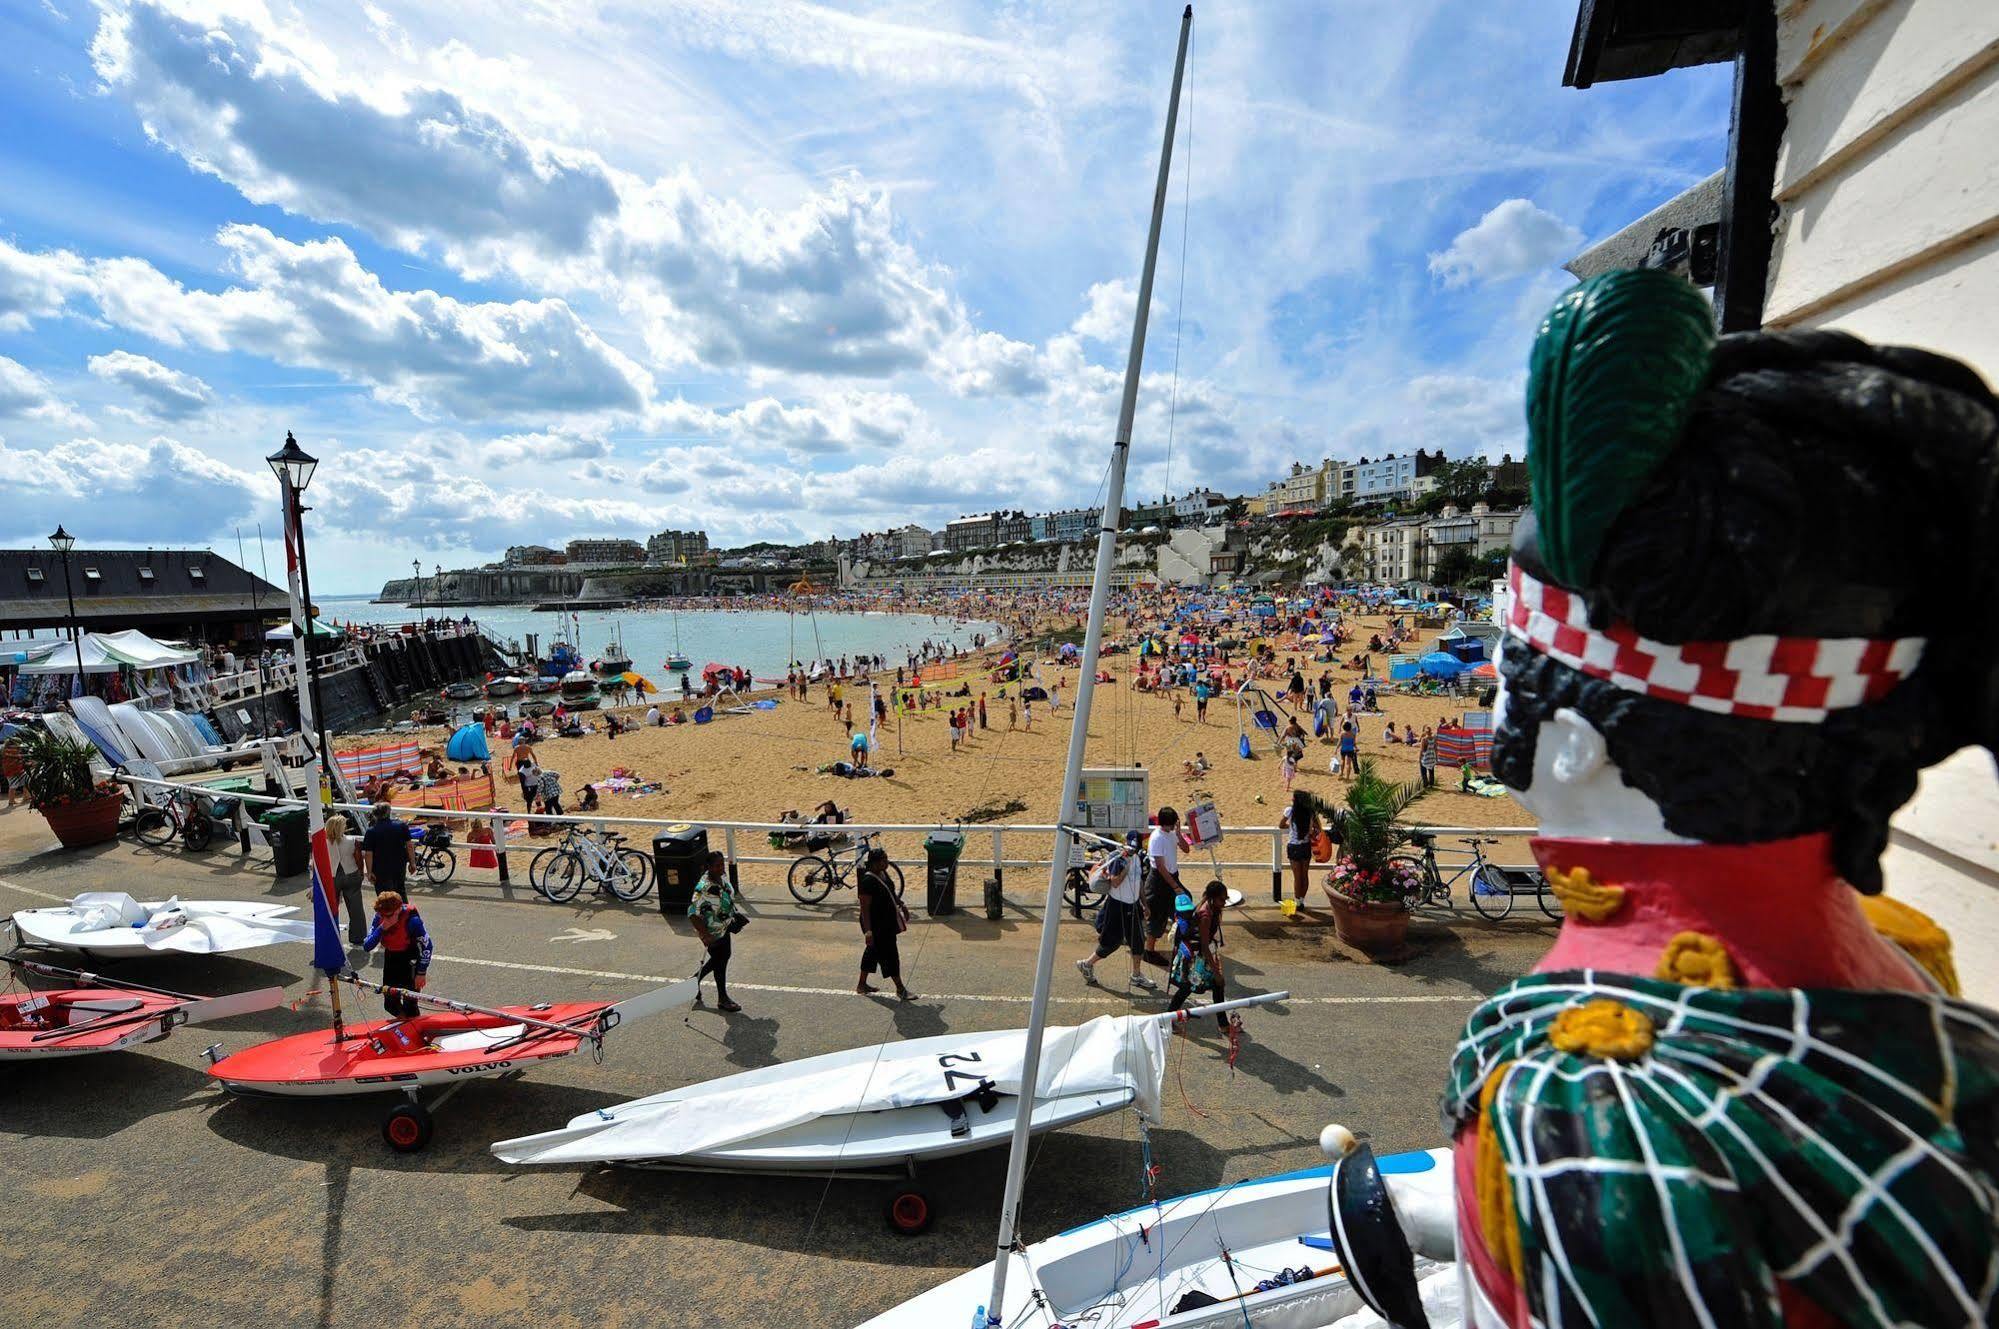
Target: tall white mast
[1072, 776]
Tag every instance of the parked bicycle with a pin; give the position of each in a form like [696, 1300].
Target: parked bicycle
[816, 876]
[189, 818]
[1491, 886]
[560, 872]
[432, 854]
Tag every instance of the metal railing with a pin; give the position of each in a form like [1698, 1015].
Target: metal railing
[999, 858]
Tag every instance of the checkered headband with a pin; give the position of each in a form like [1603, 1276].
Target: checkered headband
[1799, 680]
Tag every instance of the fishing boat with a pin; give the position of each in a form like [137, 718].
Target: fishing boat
[113, 925]
[542, 684]
[616, 659]
[879, 1110]
[1259, 1252]
[507, 685]
[578, 683]
[450, 1043]
[102, 1015]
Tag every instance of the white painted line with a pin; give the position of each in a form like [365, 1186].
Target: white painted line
[1420, 999]
[39, 895]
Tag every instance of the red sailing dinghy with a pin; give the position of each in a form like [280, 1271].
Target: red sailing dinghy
[102, 1016]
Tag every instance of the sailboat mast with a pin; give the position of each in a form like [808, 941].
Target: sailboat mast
[1072, 776]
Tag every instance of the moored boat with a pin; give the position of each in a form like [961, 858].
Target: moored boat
[507, 685]
[113, 924]
[542, 684]
[461, 691]
[578, 683]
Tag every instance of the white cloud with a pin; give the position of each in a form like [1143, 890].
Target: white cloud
[161, 491]
[825, 287]
[34, 286]
[1513, 239]
[509, 449]
[26, 395]
[166, 393]
[314, 305]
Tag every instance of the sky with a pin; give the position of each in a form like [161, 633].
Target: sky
[558, 268]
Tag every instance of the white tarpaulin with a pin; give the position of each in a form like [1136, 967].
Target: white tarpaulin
[1109, 1053]
[112, 921]
[108, 652]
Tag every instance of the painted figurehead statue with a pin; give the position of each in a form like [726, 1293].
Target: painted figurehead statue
[1751, 604]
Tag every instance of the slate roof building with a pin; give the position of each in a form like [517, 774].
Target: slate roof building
[179, 594]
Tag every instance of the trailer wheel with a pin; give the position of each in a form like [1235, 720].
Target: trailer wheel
[909, 1213]
[407, 1128]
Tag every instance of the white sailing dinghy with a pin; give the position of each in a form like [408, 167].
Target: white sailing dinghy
[889, 1106]
[1257, 1252]
[111, 925]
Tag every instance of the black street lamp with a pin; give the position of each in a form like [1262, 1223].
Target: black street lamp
[416, 566]
[294, 467]
[62, 542]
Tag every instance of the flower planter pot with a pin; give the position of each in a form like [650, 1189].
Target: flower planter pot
[1379, 930]
[92, 821]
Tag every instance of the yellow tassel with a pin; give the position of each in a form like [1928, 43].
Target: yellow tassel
[1918, 934]
[1498, 1221]
[1602, 1028]
[1698, 960]
[1584, 897]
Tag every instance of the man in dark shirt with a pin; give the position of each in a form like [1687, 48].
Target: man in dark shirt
[386, 852]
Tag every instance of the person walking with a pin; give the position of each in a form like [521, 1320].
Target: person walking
[1349, 746]
[1162, 883]
[345, 851]
[982, 711]
[716, 921]
[1197, 960]
[1121, 916]
[883, 918]
[386, 851]
[1426, 757]
[528, 772]
[406, 951]
[1201, 694]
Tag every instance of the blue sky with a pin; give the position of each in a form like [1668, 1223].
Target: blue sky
[781, 270]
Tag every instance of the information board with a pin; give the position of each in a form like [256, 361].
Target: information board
[1113, 799]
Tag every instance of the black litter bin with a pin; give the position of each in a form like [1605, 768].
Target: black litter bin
[940, 878]
[679, 856]
[291, 840]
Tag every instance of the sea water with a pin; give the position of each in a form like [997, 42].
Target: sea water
[760, 640]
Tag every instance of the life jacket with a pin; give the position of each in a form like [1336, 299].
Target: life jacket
[396, 935]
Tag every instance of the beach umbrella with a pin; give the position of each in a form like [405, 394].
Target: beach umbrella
[637, 681]
[468, 744]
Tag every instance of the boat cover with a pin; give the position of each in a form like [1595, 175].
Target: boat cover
[1111, 1052]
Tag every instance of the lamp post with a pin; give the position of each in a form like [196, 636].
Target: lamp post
[294, 467]
[62, 542]
[416, 566]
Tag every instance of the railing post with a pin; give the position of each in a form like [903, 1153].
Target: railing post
[499, 824]
[1276, 871]
[999, 857]
[729, 848]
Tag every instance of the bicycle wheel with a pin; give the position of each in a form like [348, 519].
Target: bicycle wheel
[1076, 890]
[895, 878]
[439, 864]
[812, 879]
[1427, 887]
[631, 875]
[200, 831]
[1545, 897]
[538, 867]
[1491, 896]
[565, 877]
[154, 826]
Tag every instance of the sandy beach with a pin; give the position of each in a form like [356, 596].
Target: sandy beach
[755, 767]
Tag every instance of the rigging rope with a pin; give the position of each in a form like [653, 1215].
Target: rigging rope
[1180, 296]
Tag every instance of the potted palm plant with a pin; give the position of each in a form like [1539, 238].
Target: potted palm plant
[79, 808]
[1371, 889]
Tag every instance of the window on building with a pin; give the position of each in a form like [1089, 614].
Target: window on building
[146, 576]
[35, 575]
[92, 575]
[197, 574]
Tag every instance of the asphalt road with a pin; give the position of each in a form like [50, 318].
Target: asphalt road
[137, 1194]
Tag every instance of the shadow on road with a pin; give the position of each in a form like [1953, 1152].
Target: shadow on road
[95, 1097]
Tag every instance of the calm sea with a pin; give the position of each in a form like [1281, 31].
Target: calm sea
[764, 641]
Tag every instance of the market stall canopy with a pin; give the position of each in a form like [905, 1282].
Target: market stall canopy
[283, 632]
[108, 652]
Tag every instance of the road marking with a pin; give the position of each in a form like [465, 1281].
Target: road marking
[1419, 999]
[574, 935]
[39, 895]
[1422, 999]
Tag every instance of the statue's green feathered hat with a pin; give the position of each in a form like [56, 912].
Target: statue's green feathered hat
[1615, 367]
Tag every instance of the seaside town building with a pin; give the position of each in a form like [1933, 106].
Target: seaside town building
[670, 547]
[530, 556]
[180, 594]
[606, 551]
